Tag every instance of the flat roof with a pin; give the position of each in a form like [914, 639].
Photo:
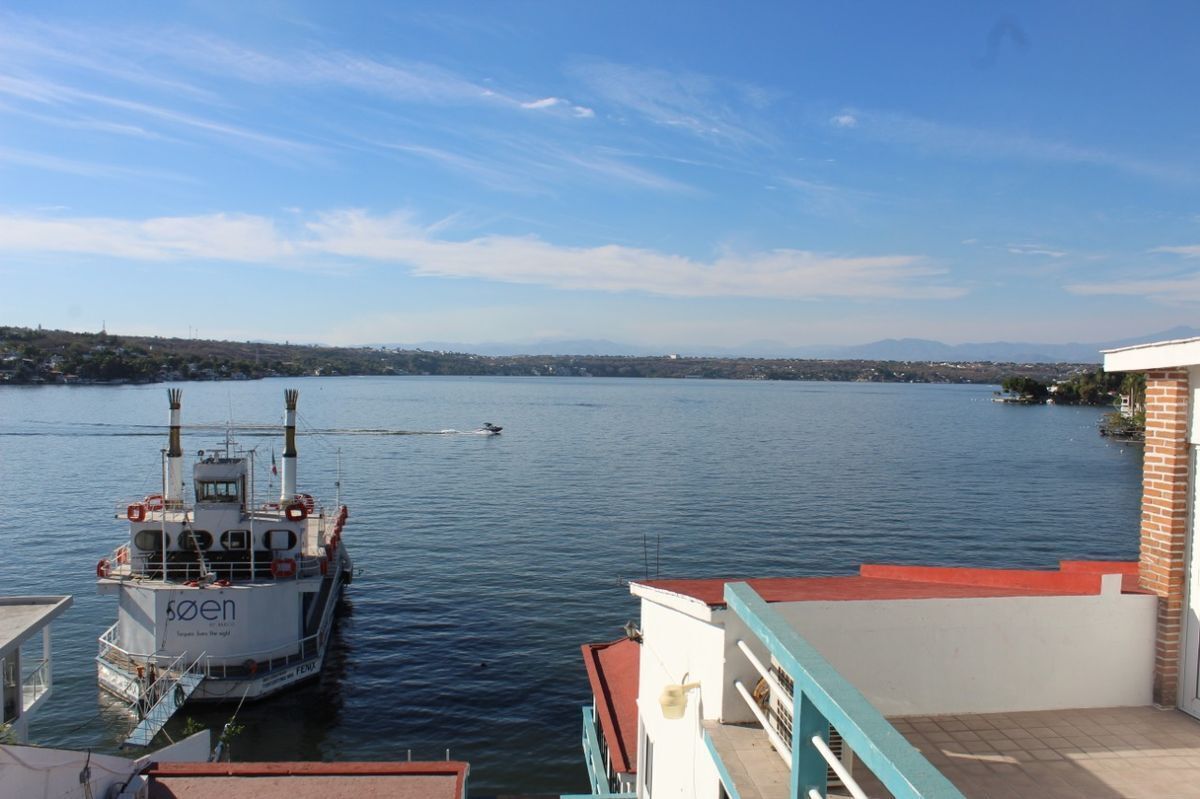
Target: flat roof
[613, 673]
[22, 617]
[1154, 355]
[881, 582]
[295, 780]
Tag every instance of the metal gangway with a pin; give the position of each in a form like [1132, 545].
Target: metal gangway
[158, 701]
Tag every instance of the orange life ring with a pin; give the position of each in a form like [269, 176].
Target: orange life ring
[296, 512]
[154, 502]
[283, 567]
[136, 512]
[102, 569]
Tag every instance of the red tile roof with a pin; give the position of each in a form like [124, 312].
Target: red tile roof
[613, 672]
[433, 780]
[1073, 578]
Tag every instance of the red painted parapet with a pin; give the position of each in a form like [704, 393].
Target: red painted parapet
[1048, 582]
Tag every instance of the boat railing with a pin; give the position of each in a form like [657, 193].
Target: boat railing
[35, 684]
[238, 664]
[235, 663]
[158, 679]
[151, 567]
[108, 642]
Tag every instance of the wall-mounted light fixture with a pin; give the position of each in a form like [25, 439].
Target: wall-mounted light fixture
[674, 699]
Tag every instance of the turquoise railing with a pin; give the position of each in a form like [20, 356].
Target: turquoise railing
[821, 697]
[597, 770]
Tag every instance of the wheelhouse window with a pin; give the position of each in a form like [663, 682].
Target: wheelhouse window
[217, 491]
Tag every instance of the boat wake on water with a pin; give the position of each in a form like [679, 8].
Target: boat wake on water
[243, 430]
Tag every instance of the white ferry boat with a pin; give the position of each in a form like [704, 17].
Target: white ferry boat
[221, 598]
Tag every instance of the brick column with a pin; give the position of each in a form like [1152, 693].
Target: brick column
[1165, 500]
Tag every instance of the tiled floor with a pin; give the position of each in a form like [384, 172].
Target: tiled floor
[751, 762]
[1106, 753]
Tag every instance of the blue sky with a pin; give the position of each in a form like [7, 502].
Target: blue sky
[676, 175]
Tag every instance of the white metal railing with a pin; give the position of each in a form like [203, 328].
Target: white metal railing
[35, 684]
[143, 566]
[784, 748]
[822, 700]
[834, 763]
[264, 660]
[123, 562]
[149, 695]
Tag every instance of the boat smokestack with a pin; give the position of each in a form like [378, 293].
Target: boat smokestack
[174, 487]
[287, 490]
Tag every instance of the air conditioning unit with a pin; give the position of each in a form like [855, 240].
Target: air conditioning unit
[779, 710]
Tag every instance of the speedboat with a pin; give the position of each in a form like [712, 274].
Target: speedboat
[488, 427]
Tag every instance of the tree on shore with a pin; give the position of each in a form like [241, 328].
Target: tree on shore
[1027, 388]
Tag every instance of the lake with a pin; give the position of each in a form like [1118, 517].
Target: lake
[487, 560]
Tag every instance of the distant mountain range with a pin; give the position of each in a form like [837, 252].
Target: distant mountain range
[904, 349]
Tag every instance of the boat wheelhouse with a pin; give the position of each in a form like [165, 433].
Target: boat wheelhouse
[222, 597]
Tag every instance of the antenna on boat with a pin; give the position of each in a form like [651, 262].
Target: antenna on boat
[337, 484]
[229, 427]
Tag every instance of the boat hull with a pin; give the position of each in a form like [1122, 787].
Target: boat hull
[125, 686]
[117, 671]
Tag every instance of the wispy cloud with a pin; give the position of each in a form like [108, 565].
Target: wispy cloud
[545, 102]
[219, 237]
[1184, 288]
[70, 166]
[24, 40]
[1167, 287]
[1186, 250]
[354, 236]
[483, 170]
[1036, 249]
[701, 105]
[50, 93]
[937, 137]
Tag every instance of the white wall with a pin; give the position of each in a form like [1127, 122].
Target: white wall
[675, 644]
[908, 657]
[939, 656]
[31, 772]
[219, 621]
